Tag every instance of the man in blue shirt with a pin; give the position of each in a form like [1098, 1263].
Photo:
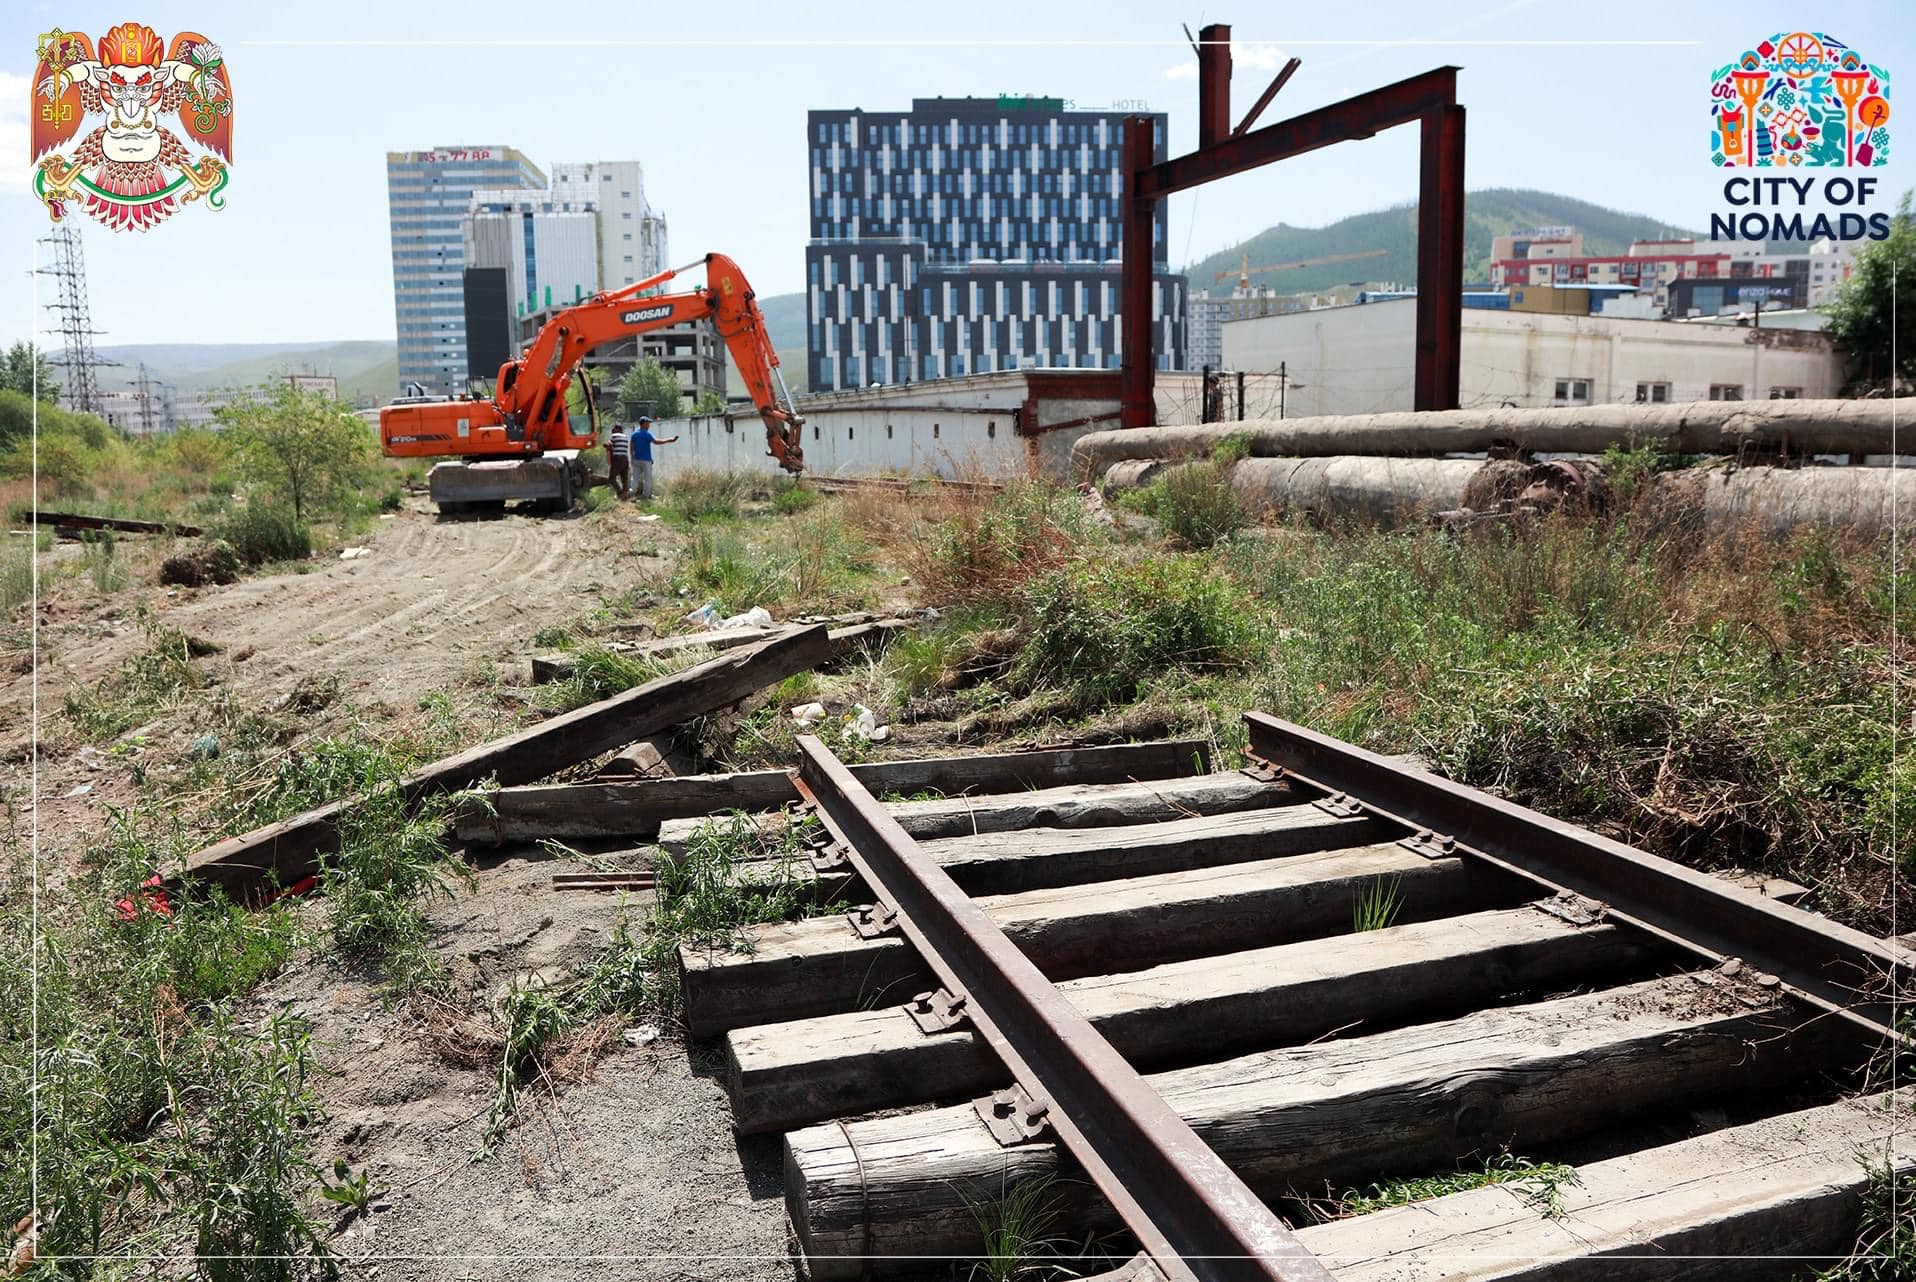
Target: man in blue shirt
[642, 443]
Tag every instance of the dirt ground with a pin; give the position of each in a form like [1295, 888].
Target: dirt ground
[429, 600]
[634, 1171]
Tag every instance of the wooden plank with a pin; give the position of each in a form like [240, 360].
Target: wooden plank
[75, 521]
[1403, 1101]
[1070, 806]
[1766, 1199]
[1003, 863]
[820, 966]
[620, 809]
[790, 1074]
[558, 666]
[286, 851]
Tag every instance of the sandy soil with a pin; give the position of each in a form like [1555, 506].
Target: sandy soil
[633, 1173]
[431, 599]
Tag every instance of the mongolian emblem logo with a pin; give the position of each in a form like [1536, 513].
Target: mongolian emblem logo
[1804, 98]
[132, 172]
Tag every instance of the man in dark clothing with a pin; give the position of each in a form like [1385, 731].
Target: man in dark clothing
[642, 443]
[618, 458]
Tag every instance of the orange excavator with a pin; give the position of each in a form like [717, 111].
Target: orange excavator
[522, 442]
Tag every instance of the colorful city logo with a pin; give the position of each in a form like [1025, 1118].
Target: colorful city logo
[132, 172]
[1804, 98]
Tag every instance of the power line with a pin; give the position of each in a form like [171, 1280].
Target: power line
[68, 268]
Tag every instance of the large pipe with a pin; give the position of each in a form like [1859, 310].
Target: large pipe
[1392, 492]
[1700, 427]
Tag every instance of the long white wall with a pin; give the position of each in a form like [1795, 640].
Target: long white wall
[1359, 359]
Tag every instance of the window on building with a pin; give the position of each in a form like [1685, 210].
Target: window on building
[1572, 391]
[1652, 393]
[1785, 393]
[1726, 391]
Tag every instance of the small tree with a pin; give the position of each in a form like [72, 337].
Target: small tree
[19, 368]
[1876, 303]
[303, 445]
[710, 402]
[650, 388]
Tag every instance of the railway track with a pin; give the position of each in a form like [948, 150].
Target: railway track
[1173, 1012]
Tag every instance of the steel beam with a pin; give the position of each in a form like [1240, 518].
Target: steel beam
[1194, 1217]
[1214, 84]
[1854, 976]
[1345, 121]
[1137, 397]
[1440, 260]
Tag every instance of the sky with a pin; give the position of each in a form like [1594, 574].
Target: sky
[1608, 103]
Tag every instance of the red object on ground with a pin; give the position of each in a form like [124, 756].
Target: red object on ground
[155, 899]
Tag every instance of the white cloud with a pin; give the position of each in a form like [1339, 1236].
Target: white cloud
[14, 170]
[1245, 55]
[1262, 56]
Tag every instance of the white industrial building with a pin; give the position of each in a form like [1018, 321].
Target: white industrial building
[631, 235]
[983, 426]
[1358, 359]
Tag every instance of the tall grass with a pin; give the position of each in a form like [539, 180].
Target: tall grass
[1718, 699]
[162, 1116]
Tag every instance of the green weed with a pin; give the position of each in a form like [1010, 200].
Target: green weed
[1377, 905]
[790, 498]
[731, 876]
[1019, 1228]
[162, 1117]
[1101, 630]
[1885, 1249]
[1540, 1183]
[103, 564]
[598, 673]
[392, 857]
[145, 685]
[697, 497]
[261, 532]
[16, 578]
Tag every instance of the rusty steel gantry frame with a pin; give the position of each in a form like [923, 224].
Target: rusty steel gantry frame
[1429, 99]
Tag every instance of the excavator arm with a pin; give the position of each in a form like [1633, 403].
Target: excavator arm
[531, 389]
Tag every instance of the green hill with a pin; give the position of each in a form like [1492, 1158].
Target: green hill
[1488, 213]
[367, 369]
[785, 325]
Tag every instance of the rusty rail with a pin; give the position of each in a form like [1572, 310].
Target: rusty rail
[1844, 972]
[1193, 1216]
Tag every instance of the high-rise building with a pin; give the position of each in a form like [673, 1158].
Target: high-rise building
[972, 234]
[428, 193]
[531, 253]
[632, 241]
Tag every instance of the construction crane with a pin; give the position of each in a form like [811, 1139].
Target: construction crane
[519, 444]
[1243, 273]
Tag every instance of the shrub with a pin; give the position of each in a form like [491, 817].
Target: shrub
[789, 497]
[988, 546]
[214, 561]
[260, 532]
[1196, 503]
[699, 497]
[1102, 630]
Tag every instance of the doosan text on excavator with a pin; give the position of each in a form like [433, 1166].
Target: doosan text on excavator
[519, 444]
